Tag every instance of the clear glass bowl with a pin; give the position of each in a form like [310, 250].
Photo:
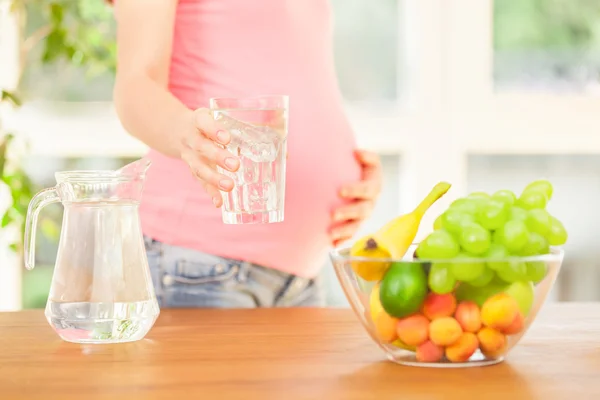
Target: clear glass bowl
[460, 326]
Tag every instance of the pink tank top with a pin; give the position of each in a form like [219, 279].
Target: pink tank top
[239, 48]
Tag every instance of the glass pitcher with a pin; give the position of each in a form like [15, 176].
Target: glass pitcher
[101, 289]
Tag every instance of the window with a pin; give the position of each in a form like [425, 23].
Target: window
[547, 45]
[366, 49]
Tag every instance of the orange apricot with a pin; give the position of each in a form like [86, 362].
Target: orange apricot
[385, 326]
[468, 316]
[463, 348]
[413, 330]
[439, 305]
[499, 311]
[429, 352]
[517, 325]
[444, 331]
[491, 342]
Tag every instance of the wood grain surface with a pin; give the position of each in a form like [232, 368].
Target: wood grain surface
[289, 354]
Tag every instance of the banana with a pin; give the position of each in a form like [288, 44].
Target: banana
[393, 239]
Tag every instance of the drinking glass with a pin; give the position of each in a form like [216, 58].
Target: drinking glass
[258, 127]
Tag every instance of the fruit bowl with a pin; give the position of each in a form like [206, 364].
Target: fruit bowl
[457, 312]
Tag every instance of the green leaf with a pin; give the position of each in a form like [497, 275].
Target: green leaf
[6, 220]
[56, 13]
[14, 247]
[11, 97]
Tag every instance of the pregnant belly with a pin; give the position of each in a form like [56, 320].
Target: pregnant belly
[315, 175]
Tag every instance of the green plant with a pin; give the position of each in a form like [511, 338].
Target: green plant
[550, 24]
[79, 32]
[12, 176]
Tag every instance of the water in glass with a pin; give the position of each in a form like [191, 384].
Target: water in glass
[259, 139]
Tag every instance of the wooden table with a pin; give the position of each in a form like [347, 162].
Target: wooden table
[288, 354]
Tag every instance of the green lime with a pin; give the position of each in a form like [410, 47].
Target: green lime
[403, 289]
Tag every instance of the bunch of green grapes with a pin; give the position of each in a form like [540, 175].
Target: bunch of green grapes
[499, 227]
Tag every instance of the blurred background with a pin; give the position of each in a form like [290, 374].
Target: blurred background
[486, 94]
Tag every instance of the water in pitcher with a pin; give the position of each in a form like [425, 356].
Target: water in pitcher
[259, 141]
[101, 289]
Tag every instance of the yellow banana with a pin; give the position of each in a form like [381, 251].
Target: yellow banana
[393, 239]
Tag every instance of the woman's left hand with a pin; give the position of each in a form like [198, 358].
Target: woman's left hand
[362, 195]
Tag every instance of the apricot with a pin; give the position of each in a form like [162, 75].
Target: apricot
[439, 305]
[491, 342]
[468, 316]
[499, 311]
[516, 326]
[429, 352]
[385, 326]
[463, 348]
[413, 330]
[444, 331]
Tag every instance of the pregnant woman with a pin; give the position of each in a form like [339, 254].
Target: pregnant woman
[175, 55]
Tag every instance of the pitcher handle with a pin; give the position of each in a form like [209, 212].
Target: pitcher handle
[39, 201]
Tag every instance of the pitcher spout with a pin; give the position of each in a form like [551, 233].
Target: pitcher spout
[136, 169]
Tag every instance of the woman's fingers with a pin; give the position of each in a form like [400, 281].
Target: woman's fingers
[201, 169]
[210, 128]
[344, 232]
[359, 210]
[214, 193]
[204, 150]
[367, 190]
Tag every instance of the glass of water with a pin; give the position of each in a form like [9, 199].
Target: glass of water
[258, 127]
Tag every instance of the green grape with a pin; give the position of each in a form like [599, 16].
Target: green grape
[467, 270]
[454, 220]
[438, 224]
[497, 235]
[538, 221]
[465, 205]
[540, 185]
[532, 199]
[478, 196]
[536, 271]
[514, 235]
[496, 252]
[492, 215]
[557, 235]
[474, 238]
[505, 196]
[482, 280]
[537, 244]
[517, 213]
[441, 280]
[421, 249]
[439, 244]
[512, 271]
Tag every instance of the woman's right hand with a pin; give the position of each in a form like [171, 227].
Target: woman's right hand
[202, 148]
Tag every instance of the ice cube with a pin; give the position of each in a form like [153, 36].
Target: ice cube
[243, 133]
[249, 170]
[259, 152]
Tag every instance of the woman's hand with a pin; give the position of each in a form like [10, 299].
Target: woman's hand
[363, 195]
[202, 148]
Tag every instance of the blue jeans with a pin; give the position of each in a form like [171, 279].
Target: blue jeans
[188, 278]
